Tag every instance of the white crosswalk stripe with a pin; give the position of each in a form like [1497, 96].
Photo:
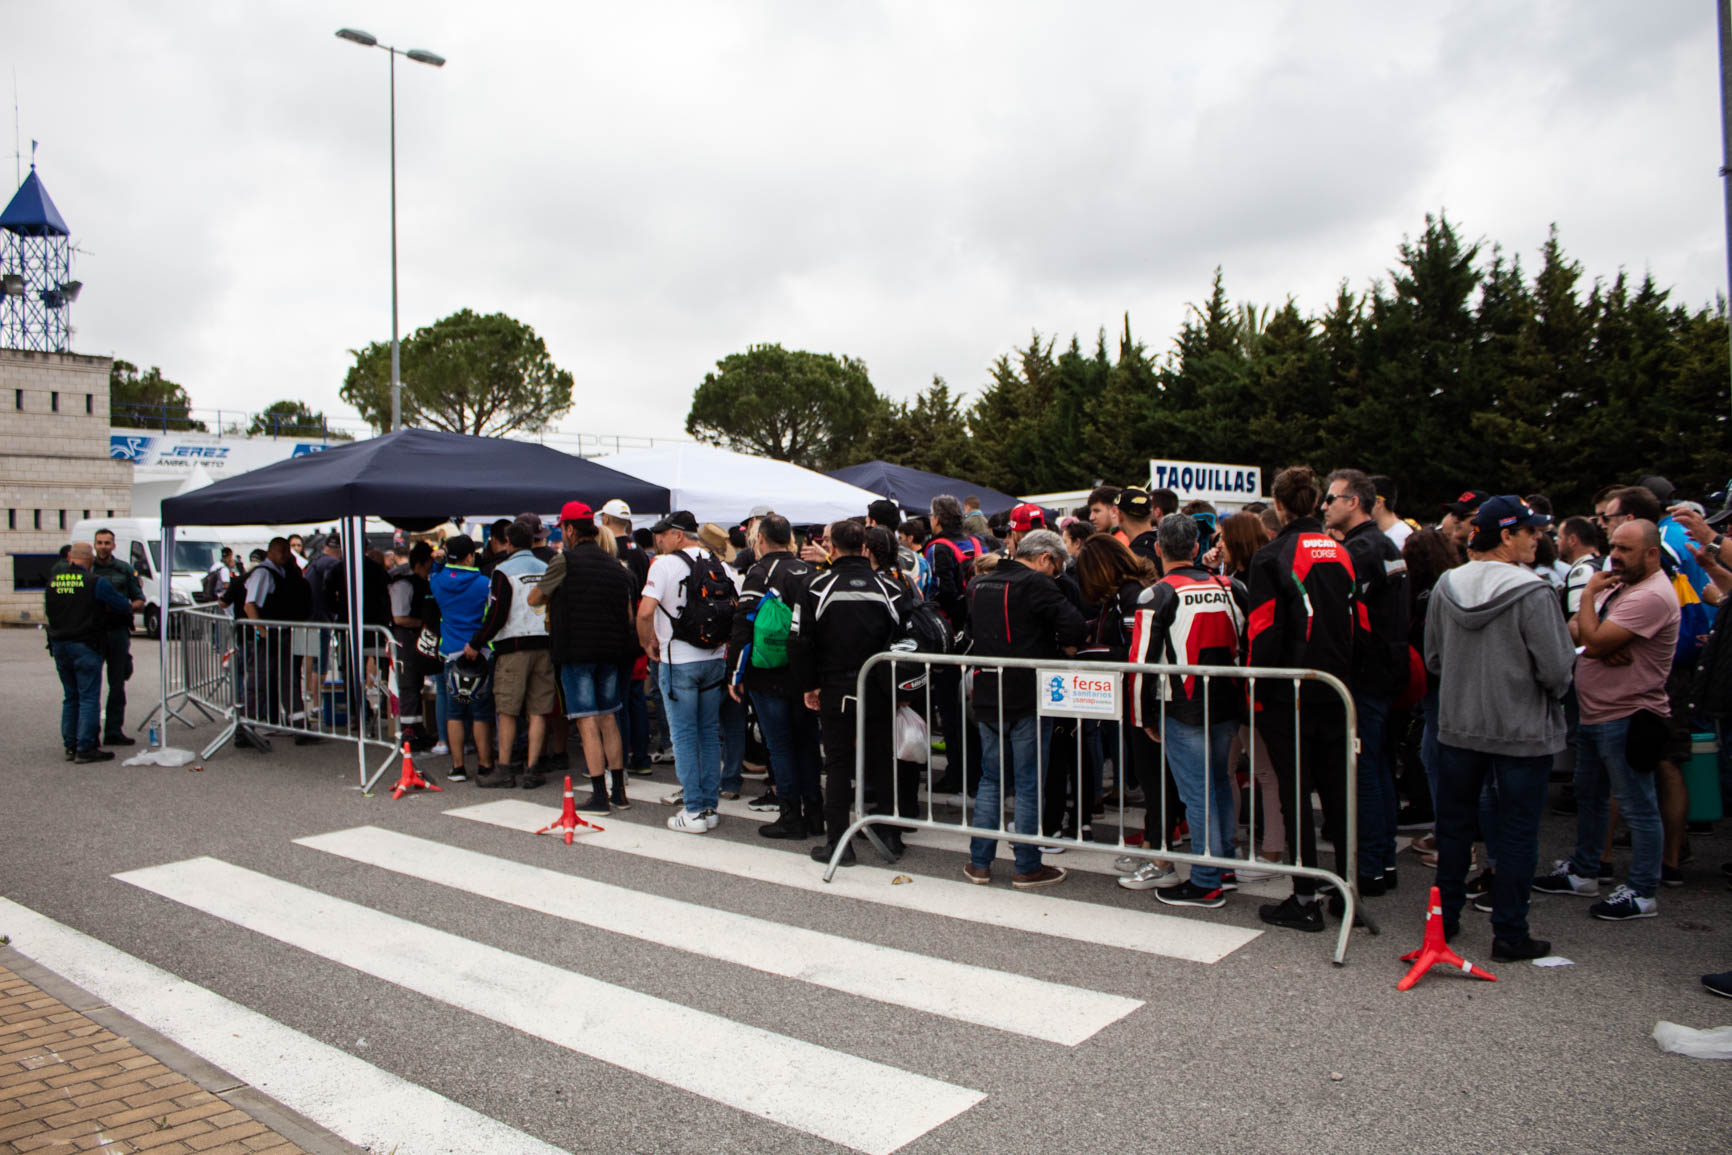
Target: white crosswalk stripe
[1149, 932]
[1008, 1002]
[1087, 861]
[801, 1085]
[349, 1097]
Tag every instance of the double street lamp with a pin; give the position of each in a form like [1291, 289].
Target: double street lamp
[422, 56]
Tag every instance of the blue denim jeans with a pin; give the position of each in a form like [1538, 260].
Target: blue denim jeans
[652, 687]
[1025, 745]
[1519, 794]
[1376, 788]
[80, 668]
[1197, 759]
[693, 694]
[791, 733]
[733, 723]
[1603, 770]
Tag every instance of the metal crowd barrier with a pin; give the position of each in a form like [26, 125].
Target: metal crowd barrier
[1104, 700]
[256, 678]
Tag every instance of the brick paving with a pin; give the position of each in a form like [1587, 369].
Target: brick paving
[68, 1084]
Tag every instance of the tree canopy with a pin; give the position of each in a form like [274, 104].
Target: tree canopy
[148, 400]
[292, 419]
[1458, 370]
[790, 405]
[486, 375]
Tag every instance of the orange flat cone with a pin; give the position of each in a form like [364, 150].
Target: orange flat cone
[1436, 950]
[569, 820]
[411, 779]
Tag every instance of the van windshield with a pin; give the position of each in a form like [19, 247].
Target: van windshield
[189, 556]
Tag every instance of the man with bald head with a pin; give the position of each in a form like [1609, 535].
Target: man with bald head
[1627, 628]
[76, 603]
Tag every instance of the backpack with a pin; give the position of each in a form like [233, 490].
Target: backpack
[924, 631]
[213, 586]
[771, 621]
[707, 618]
[966, 552]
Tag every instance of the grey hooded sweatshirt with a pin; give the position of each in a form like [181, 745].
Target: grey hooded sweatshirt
[1496, 637]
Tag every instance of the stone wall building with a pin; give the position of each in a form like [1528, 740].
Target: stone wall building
[54, 466]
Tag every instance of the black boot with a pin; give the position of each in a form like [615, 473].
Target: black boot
[814, 817]
[823, 853]
[502, 777]
[616, 778]
[788, 824]
[597, 803]
[532, 777]
[891, 837]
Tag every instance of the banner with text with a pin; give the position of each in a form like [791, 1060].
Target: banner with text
[1210, 481]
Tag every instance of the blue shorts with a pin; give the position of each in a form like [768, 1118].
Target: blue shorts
[479, 708]
[590, 689]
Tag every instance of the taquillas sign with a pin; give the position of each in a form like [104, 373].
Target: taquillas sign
[1207, 480]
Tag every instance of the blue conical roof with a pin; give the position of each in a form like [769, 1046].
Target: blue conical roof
[31, 212]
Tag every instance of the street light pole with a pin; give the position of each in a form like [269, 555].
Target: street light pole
[422, 56]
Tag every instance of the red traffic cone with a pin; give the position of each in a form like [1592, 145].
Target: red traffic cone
[1436, 950]
[568, 819]
[411, 779]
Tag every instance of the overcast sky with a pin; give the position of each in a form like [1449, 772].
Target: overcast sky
[919, 185]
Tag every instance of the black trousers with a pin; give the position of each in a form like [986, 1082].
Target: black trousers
[836, 722]
[1313, 759]
[117, 665]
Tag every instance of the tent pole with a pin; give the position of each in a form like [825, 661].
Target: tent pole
[354, 557]
[164, 595]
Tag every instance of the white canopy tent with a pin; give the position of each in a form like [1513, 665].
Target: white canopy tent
[723, 487]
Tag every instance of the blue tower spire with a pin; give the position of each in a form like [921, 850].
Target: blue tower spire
[36, 285]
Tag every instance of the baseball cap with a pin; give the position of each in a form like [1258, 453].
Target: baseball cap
[1469, 501]
[257, 555]
[460, 546]
[577, 511]
[1136, 503]
[1507, 512]
[617, 508]
[680, 519]
[759, 511]
[1659, 487]
[1027, 516]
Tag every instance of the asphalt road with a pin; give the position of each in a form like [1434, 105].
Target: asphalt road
[1269, 1049]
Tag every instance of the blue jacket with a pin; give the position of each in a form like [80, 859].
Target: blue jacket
[461, 594]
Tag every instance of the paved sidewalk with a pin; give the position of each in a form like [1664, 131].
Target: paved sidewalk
[69, 1084]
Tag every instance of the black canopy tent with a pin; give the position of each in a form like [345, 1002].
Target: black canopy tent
[414, 478]
[915, 488]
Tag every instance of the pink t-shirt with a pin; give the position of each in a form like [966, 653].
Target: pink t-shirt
[1649, 610]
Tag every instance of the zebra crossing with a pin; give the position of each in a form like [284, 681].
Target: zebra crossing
[864, 1104]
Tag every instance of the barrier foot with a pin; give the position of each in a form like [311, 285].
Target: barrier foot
[842, 845]
[411, 779]
[1436, 951]
[261, 743]
[569, 819]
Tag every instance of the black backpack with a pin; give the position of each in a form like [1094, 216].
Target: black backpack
[707, 618]
[924, 631]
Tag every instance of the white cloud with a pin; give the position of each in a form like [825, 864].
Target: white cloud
[654, 187]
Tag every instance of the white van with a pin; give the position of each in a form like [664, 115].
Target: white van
[197, 548]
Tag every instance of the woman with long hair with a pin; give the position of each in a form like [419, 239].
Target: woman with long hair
[1428, 554]
[1242, 535]
[1113, 579]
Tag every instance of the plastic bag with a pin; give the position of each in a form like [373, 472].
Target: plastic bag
[1714, 1044]
[167, 756]
[912, 740]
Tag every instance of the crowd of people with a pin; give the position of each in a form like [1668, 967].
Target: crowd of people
[1482, 654]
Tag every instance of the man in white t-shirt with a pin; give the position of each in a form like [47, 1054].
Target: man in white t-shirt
[1384, 512]
[692, 678]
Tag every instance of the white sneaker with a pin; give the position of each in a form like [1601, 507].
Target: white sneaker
[662, 757]
[677, 798]
[440, 750]
[1125, 863]
[1150, 875]
[689, 822]
[711, 819]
